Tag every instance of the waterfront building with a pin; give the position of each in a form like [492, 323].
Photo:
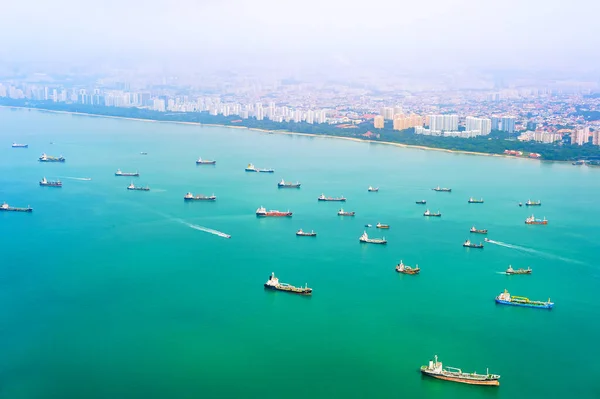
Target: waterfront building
[378, 122]
[508, 124]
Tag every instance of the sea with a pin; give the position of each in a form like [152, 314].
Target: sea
[110, 293]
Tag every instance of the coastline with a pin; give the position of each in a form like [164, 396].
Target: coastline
[419, 147]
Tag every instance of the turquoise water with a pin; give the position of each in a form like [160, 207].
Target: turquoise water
[107, 293]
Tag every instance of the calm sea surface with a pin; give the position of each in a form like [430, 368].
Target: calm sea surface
[108, 293]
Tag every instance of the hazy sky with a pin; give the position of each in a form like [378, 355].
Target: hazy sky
[474, 32]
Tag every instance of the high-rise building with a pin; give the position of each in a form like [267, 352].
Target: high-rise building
[378, 122]
[446, 123]
[596, 137]
[495, 123]
[483, 125]
[259, 112]
[402, 122]
[310, 116]
[508, 124]
[387, 113]
[580, 136]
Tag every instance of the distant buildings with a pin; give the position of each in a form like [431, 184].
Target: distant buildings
[508, 124]
[402, 121]
[596, 137]
[580, 136]
[444, 123]
[466, 134]
[483, 125]
[387, 113]
[540, 137]
[378, 122]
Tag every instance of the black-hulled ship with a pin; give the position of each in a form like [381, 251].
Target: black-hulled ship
[192, 197]
[436, 370]
[373, 189]
[322, 197]
[137, 188]
[287, 184]
[428, 213]
[442, 189]
[48, 183]
[306, 233]
[274, 284]
[469, 244]
[478, 231]
[129, 174]
[342, 212]
[7, 208]
[475, 201]
[421, 202]
[17, 145]
[201, 161]
[48, 158]
[533, 203]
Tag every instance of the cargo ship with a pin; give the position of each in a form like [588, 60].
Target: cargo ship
[533, 220]
[427, 213]
[201, 161]
[262, 212]
[143, 153]
[402, 268]
[284, 184]
[365, 238]
[510, 270]
[306, 233]
[436, 370]
[505, 299]
[192, 197]
[422, 202]
[469, 244]
[5, 207]
[322, 197]
[341, 212]
[16, 145]
[382, 226]
[48, 158]
[443, 189]
[475, 201]
[373, 189]
[137, 188]
[533, 203]
[252, 168]
[482, 231]
[274, 284]
[130, 174]
[47, 183]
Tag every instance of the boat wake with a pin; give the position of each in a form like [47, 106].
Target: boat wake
[533, 251]
[206, 229]
[76, 178]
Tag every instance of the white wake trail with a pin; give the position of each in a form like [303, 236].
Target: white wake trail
[534, 251]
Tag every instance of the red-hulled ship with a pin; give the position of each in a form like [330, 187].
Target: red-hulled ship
[262, 212]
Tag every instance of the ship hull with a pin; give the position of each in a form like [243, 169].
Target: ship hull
[273, 215]
[374, 242]
[199, 199]
[288, 185]
[301, 292]
[524, 305]
[16, 209]
[331, 200]
[537, 223]
[128, 174]
[20, 146]
[52, 160]
[462, 380]
[479, 231]
[206, 163]
[473, 246]
[50, 185]
[408, 271]
[511, 273]
[533, 204]
[306, 235]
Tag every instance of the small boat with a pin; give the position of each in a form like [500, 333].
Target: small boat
[475, 201]
[137, 188]
[373, 189]
[48, 158]
[252, 168]
[284, 184]
[510, 270]
[421, 202]
[341, 212]
[365, 238]
[436, 370]
[201, 161]
[402, 268]
[505, 299]
[274, 284]
[143, 153]
[130, 174]
[443, 190]
[382, 226]
[192, 197]
[47, 183]
[520, 204]
[368, 225]
[533, 220]
[6, 208]
[533, 203]
[427, 213]
[578, 163]
[470, 244]
[338, 199]
[262, 212]
[306, 233]
[16, 145]
[486, 239]
[482, 231]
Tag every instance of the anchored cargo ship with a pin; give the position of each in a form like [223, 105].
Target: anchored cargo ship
[322, 197]
[427, 213]
[7, 208]
[252, 168]
[505, 299]
[137, 188]
[48, 158]
[382, 226]
[130, 174]
[436, 370]
[533, 203]
[421, 202]
[402, 268]
[192, 197]
[16, 145]
[262, 212]
[510, 270]
[306, 233]
[533, 220]
[443, 189]
[201, 161]
[373, 189]
[475, 201]
[470, 244]
[47, 183]
[482, 231]
[274, 284]
[341, 212]
[365, 238]
[284, 184]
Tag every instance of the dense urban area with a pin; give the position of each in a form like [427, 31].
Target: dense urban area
[555, 121]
